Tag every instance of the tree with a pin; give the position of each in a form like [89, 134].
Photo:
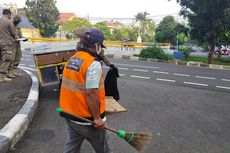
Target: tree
[146, 25]
[43, 14]
[125, 33]
[209, 20]
[120, 34]
[181, 28]
[166, 30]
[182, 34]
[102, 26]
[70, 26]
[132, 32]
[224, 39]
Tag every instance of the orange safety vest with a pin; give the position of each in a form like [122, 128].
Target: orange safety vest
[73, 88]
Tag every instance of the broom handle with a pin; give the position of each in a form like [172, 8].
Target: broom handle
[89, 121]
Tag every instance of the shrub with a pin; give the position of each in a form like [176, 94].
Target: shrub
[186, 52]
[154, 52]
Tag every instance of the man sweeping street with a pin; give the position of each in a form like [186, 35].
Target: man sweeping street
[83, 94]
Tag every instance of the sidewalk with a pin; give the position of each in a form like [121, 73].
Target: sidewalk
[18, 103]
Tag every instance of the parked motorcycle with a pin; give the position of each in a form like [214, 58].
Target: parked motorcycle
[222, 51]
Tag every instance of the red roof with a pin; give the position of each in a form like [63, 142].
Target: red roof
[112, 23]
[63, 17]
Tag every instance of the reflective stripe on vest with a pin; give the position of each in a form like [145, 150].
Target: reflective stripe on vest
[73, 88]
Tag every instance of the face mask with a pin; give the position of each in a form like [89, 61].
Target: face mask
[98, 48]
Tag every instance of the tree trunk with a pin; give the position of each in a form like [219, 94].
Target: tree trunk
[212, 44]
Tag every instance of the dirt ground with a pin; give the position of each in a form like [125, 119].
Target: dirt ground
[12, 97]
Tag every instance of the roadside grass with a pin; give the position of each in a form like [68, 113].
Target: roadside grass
[216, 60]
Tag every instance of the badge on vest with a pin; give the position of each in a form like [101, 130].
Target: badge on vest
[74, 64]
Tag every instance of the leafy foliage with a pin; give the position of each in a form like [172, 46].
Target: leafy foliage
[43, 14]
[104, 28]
[186, 52]
[124, 33]
[146, 25]
[70, 26]
[154, 52]
[166, 30]
[209, 20]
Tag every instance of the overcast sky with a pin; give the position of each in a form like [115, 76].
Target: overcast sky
[112, 8]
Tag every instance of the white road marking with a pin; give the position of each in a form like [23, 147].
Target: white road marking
[121, 74]
[122, 68]
[32, 65]
[141, 77]
[222, 87]
[204, 77]
[152, 67]
[161, 72]
[179, 74]
[26, 59]
[166, 80]
[22, 64]
[27, 68]
[140, 70]
[225, 79]
[198, 84]
[26, 55]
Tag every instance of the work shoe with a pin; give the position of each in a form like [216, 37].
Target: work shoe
[11, 75]
[6, 79]
[2, 78]
[15, 73]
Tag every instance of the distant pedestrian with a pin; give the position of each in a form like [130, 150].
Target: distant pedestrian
[17, 45]
[83, 94]
[7, 38]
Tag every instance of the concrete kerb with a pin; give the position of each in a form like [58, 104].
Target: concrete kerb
[14, 129]
[177, 62]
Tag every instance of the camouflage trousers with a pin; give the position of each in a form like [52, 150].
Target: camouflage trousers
[7, 57]
[18, 54]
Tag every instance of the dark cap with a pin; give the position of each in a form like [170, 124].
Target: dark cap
[94, 35]
[6, 11]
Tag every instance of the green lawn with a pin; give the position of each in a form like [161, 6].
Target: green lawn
[219, 61]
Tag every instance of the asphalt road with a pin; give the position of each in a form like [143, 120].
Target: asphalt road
[186, 109]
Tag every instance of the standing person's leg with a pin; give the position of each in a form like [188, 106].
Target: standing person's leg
[0, 55]
[11, 66]
[18, 56]
[1, 76]
[73, 138]
[7, 57]
[99, 138]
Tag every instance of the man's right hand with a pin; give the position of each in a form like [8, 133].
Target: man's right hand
[99, 123]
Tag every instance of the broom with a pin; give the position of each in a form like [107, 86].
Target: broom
[136, 139]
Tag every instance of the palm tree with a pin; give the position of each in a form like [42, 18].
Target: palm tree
[146, 25]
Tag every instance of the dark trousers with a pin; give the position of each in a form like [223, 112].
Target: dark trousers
[7, 57]
[76, 134]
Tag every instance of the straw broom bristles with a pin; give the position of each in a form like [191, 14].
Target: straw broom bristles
[138, 140]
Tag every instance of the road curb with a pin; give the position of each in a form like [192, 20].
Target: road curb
[176, 62]
[14, 129]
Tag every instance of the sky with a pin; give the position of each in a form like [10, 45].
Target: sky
[112, 8]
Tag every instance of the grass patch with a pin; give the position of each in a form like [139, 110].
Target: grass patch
[216, 60]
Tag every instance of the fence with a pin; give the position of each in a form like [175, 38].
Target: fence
[114, 44]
